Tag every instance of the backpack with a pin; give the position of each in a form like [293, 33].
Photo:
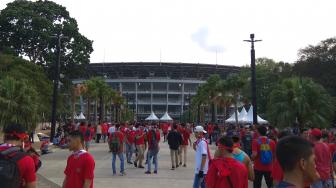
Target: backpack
[115, 143]
[154, 143]
[266, 155]
[9, 170]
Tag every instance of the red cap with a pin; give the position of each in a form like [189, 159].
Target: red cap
[316, 132]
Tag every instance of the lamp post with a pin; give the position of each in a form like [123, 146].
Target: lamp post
[253, 78]
[55, 89]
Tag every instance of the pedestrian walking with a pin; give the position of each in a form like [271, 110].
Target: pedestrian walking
[174, 141]
[153, 138]
[117, 148]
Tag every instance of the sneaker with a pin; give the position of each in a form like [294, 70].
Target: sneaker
[122, 174]
[184, 165]
[173, 168]
[155, 172]
[114, 174]
[177, 166]
[147, 172]
[141, 166]
[180, 163]
[135, 164]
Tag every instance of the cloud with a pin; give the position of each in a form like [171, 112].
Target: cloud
[201, 37]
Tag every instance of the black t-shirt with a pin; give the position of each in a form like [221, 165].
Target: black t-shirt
[174, 140]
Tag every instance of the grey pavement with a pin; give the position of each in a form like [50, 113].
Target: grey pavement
[54, 164]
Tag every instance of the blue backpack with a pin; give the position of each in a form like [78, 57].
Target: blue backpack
[266, 155]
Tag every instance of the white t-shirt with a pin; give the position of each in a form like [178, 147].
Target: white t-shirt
[99, 129]
[201, 149]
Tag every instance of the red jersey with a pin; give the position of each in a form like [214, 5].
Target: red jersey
[210, 129]
[256, 148]
[185, 137]
[82, 129]
[130, 135]
[118, 134]
[150, 137]
[165, 128]
[80, 167]
[223, 169]
[322, 160]
[277, 172]
[26, 167]
[104, 128]
[140, 137]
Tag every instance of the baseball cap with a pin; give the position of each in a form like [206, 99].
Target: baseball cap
[316, 132]
[199, 129]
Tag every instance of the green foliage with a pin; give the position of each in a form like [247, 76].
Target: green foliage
[299, 100]
[27, 29]
[319, 63]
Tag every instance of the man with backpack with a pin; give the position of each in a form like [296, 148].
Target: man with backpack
[225, 171]
[174, 141]
[153, 139]
[117, 149]
[263, 153]
[17, 168]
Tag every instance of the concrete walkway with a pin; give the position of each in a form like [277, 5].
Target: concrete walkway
[54, 164]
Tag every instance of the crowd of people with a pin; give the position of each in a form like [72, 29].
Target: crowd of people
[287, 158]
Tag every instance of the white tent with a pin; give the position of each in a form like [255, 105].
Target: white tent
[250, 117]
[242, 118]
[81, 116]
[75, 116]
[166, 117]
[232, 118]
[152, 117]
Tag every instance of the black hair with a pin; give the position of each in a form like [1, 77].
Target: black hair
[235, 139]
[13, 128]
[89, 125]
[291, 149]
[183, 124]
[77, 134]
[284, 133]
[262, 130]
[226, 141]
[174, 126]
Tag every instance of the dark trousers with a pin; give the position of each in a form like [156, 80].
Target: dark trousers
[98, 136]
[258, 175]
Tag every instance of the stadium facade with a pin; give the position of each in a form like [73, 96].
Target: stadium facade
[156, 86]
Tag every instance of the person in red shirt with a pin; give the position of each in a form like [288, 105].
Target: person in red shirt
[165, 128]
[263, 153]
[79, 171]
[153, 139]
[117, 147]
[130, 143]
[210, 132]
[225, 171]
[140, 146]
[14, 136]
[104, 131]
[322, 159]
[185, 132]
[87, 136]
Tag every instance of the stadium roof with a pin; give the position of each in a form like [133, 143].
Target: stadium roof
[159, 69]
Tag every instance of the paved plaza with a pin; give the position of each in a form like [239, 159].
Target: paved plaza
[54, 164]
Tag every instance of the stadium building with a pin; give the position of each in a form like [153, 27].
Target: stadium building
[156, 86]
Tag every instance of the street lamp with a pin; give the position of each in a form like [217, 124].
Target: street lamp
[55, 89]
[253, 78]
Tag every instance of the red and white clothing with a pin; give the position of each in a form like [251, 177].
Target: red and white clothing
[80, 167]
[26, 167]
[185, 137]
[256, 148]
[150, 137]
[140, 137]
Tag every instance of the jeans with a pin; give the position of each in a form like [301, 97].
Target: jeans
[121, 157]
[199, 182]
[104, 137]
[322, 184]
[129, 152]
[98, 136]
[155, 161]
[258, 178]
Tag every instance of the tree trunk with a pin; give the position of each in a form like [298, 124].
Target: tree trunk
[236, 114]
[73, 109]
[95, 112]
[198, 113]
[224, 115]
[101, 109]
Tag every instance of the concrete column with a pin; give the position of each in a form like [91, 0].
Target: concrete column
[167, 97]
[182, 98]
[136, 100]
[151, 101]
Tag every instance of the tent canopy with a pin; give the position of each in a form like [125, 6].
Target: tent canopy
[166, 117]
[81, 116]
[250, 117]
[242, 118]
[232, 118]
[152, 117]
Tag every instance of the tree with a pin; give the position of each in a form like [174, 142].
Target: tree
[301, 101]
[27, 27]
[211, 91]
[19, 103]
[35, 80]
[319, 63]
[235, 83]
[224, 98]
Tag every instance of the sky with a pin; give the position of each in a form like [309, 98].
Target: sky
[200, 31]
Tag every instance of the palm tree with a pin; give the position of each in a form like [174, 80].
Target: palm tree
[211, 90]
[301, 101]
[235, 83]
[224, 98]
[19, 103]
